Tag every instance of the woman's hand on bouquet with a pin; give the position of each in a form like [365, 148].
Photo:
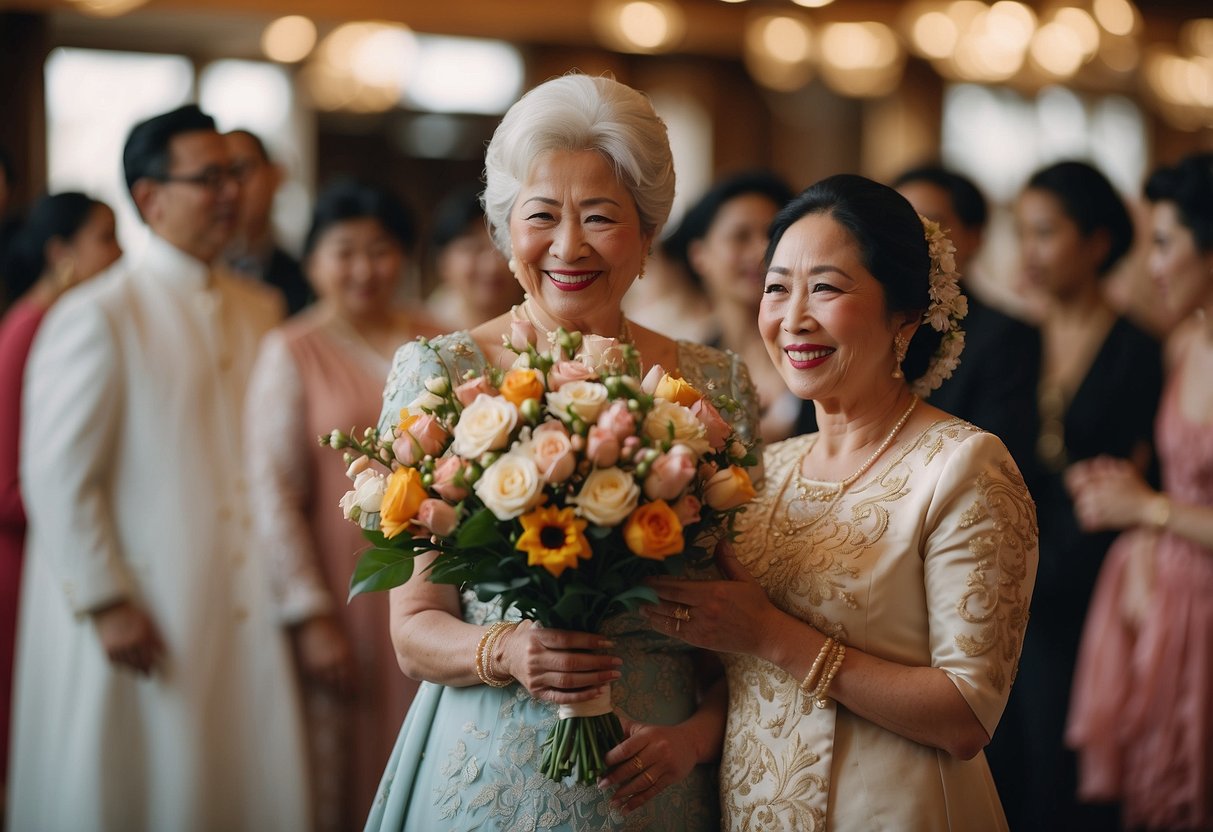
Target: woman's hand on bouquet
[324, 653]
[560, 666]
[650, 759]
[1108, 493]
[729, 616]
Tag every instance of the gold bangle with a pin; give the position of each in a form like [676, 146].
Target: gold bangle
[810, 679]
[819, 695]
[484, 654]
[1158, 511]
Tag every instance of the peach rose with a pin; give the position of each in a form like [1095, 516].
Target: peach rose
[688, 509]
[607, 496]
[563, 372]
[716, 428]
[618, 420]
[729, 488]
[403, 498]
[522, 335]
[418, 437]
[469, 390]
[653, 531]
[520, 385]
[437, 516]
[671, 422]
[446, 479]
[553, 454]
[670, 473]
[601, 447]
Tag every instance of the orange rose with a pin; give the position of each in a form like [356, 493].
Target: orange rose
[401, 501]
[653, 531]
[520, 385]
[674, 389]
[729, 488]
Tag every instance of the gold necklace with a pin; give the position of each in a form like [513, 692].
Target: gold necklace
[818, 492]
[625, 331]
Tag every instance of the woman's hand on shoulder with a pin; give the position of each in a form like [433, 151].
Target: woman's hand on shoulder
[558, 666]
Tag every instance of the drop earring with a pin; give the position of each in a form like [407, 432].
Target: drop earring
[900, 345]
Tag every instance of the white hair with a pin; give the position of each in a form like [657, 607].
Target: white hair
[578, 112]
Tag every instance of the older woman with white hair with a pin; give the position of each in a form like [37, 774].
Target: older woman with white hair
[579, 181]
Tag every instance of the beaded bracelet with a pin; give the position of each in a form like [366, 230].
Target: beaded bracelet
[819, 695]
[810, 680]
[484, 654]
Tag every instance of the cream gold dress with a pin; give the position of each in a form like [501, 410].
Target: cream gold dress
[927, 560]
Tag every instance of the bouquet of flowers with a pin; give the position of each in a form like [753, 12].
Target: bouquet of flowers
[556, 486]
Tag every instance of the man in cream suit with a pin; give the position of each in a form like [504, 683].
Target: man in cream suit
[154, 691]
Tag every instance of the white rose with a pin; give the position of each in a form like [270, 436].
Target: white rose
[484, 425]
[586, 399]
[366, 497]
[607, 497]
[672, 422]
[424, 403]
[510, 486]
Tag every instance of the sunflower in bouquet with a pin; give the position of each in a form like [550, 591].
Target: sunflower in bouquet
[557, 486]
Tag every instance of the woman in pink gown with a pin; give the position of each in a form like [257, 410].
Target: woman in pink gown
[323, 369]
[67, 238]
[1141, 715]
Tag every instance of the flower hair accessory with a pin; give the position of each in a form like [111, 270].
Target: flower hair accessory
[947, 308]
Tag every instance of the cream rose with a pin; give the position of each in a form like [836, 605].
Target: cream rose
[585, 399]
[553, 453]
[510, 486]
[607, 497]
[485, 425]
[669, 422]
[366, 496]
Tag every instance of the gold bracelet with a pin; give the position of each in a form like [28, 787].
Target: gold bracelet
[1158, 511]
[819, 695]
[810, 679]
[484, 656]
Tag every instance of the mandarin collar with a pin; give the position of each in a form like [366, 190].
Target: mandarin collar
[167, 262]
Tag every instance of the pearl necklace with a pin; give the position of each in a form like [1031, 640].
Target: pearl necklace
[813, 491]
[625, 331]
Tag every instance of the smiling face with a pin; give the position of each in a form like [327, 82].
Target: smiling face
[730, 255]
[1182, 273]
[1056, 257]
[577, 240]
[823, 315]
[355, 267]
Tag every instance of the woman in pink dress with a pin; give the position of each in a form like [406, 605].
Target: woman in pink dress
[1141, 715]
[325, 368]
[68, 238]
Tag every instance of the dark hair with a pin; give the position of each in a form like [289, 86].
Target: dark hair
[967, 199]
[58, 216]
[347, 199]
[146, 154]
[457, 210]
[892, 245]
[699, 217]
[1089, 199]
[255, 139]
[1189, 184]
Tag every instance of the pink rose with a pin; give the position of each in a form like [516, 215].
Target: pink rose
[670, 473]
[522, 335]
[618, 420]
[687, 509]
[420, 436]
[652, 378]
[552, 451]
[563, 372]
[630, 445]
[446, 474]
[469, 390]
[601, 447]
[717, 428]
[437, 516]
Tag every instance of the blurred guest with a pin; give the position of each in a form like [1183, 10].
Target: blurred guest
[253, 252]
[475, 282]
[153, 687]
[324, 368]
[1099, 386]
[67, 238]
[1142, 713]
[995, 386]
[8, 225]
[722, 240]
[668, 299]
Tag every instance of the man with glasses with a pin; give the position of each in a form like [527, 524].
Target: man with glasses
[252, 251]
[154, 690]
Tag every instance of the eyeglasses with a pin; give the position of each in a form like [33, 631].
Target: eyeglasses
[211, 178]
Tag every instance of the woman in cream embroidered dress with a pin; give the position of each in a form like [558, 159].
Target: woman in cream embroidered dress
[876, 603]
[579, 181]
[326, 367]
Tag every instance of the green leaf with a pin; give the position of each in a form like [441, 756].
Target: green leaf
[634, 597]
[479, 530]
[380, 569]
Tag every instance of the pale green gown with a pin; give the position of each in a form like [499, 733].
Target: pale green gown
[467, 757]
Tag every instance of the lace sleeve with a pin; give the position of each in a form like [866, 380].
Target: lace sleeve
[278, 456]
[447, 355]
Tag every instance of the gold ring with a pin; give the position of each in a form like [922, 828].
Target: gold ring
[682, 613]
[636, 762]
[649, 777]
